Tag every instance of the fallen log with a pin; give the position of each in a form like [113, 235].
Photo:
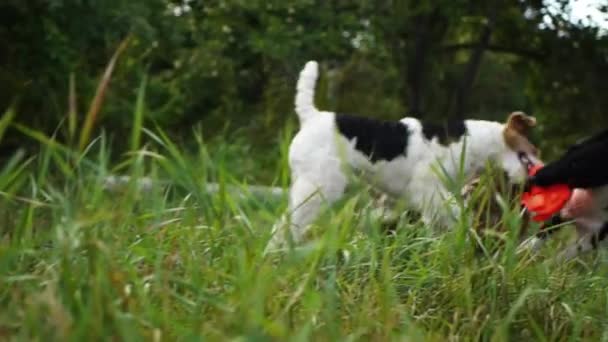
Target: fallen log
[147, 184]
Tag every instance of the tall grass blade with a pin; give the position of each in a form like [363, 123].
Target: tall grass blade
[13, 168]
[39, 136]
[138, 115]
[97, 102]
[6, 120]
[72, 108]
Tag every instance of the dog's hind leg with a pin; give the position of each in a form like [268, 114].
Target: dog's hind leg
[306, 199]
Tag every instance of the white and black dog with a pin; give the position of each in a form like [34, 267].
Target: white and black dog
[396, 156]
[583, 167]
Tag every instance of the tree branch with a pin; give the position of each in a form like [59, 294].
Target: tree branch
[530, 54]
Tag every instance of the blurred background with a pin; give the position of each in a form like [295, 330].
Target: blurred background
[230, 66]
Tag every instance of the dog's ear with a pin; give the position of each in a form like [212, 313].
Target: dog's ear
[520, 122]
[516, 129]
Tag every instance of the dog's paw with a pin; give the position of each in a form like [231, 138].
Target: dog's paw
[275, 245]
[531, 245]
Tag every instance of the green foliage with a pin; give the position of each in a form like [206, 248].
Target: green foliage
[178, 261]
[235, 62]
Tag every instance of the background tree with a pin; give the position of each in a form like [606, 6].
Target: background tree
[236, 61]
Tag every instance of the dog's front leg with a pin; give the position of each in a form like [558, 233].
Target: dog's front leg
[440, 211]
[534, 244]
[582, 245]
[592, 235]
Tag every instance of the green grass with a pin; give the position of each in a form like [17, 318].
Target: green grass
[178, 262]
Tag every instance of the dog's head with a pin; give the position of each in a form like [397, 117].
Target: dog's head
[519, 153]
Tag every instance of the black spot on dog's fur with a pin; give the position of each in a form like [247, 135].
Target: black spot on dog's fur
[446, 133]
[377, 139]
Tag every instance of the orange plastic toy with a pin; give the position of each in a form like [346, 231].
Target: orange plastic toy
[544, 202]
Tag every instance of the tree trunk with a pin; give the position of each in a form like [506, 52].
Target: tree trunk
[463, 92]
[415, 66]
[428, 29]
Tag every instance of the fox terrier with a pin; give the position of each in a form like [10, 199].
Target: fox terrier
[398, 157]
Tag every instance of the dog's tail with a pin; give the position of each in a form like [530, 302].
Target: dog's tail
[305, 92]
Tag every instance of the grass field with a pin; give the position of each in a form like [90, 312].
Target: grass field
[78, 262]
